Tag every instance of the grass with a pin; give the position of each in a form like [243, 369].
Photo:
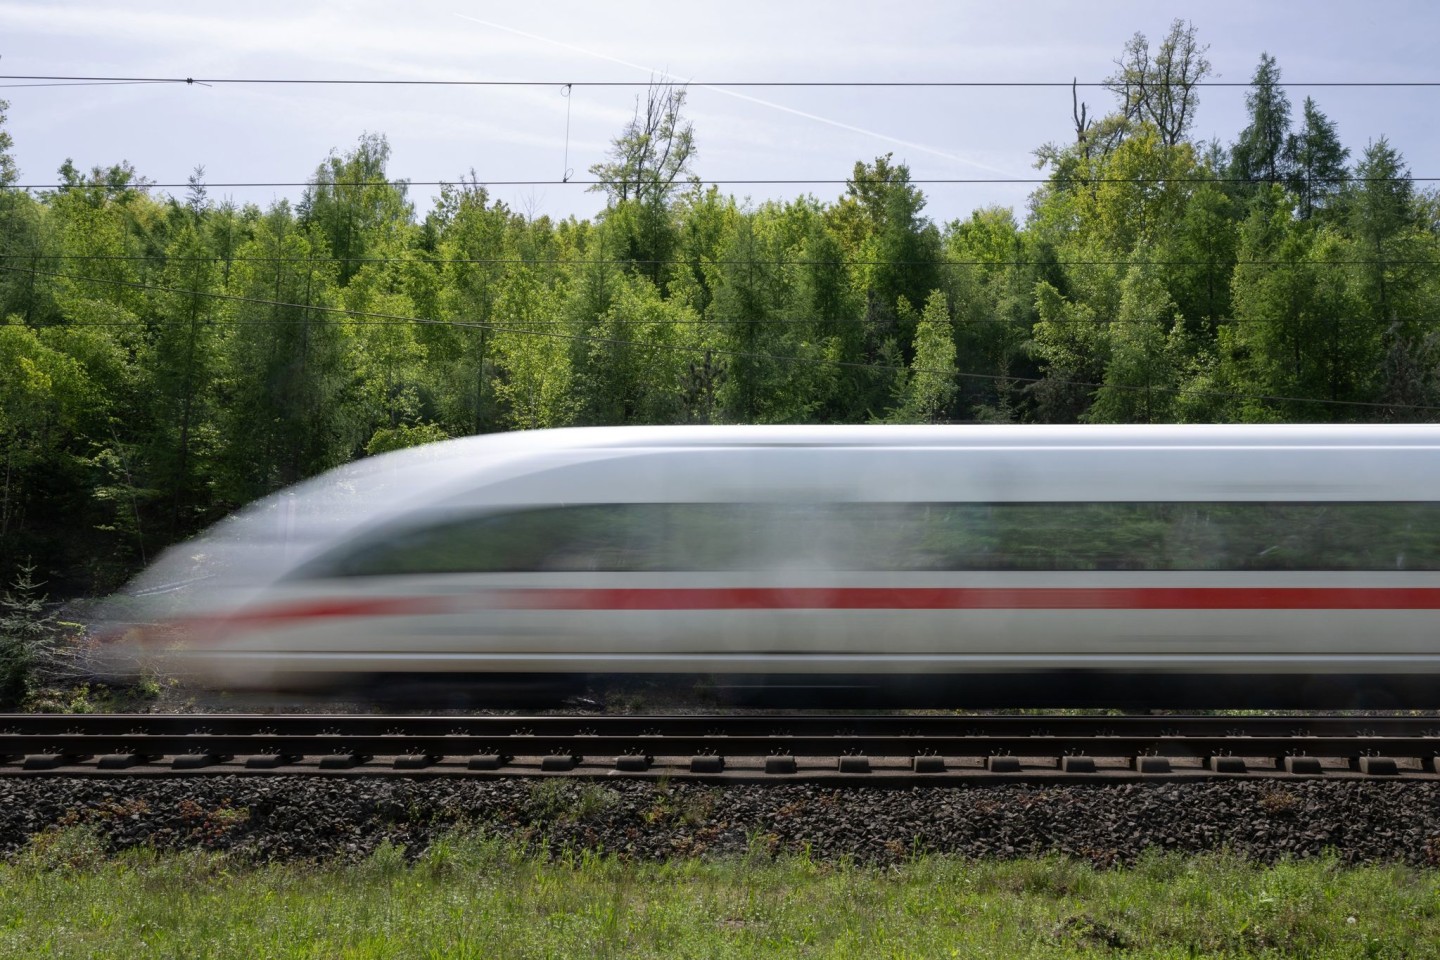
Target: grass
[473, 896]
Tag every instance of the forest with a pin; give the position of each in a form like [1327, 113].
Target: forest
[165, 359]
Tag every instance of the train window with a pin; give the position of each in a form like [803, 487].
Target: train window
[656, 537]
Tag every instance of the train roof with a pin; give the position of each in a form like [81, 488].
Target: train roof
[1311, 462]
[433, 470]
[947, 435]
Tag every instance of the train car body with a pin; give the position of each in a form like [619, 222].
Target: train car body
[1183, 566]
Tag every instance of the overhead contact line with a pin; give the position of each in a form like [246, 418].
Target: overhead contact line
[641, 84]
[750, 181]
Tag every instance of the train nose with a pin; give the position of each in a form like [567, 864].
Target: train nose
[115, 652]
[124, 651]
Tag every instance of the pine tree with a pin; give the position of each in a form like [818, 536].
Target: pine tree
[1381, 212]
[1317, 171]
[1259, 155]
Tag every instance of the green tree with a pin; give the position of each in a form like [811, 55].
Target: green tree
[179, 368]
[1161, 89]
[9, 172]
[1318, 171]
[928, 391]
[652, 154]
[472, 242]
[532, 354]
[895, 249]
[1141, 376]
[1299, 331]
[288, 392]
[992, 268]
[650, 158]
[1260, 154]
[48, 403]
[1382, 220]
[27, 636]
[1072, 347]
[355, 208]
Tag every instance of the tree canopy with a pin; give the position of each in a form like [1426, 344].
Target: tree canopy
[164, 360]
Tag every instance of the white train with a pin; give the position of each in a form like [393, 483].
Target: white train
[1181, 566]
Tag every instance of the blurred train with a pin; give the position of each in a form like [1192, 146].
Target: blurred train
[980, 566]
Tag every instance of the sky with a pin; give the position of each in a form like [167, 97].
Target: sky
[270, 133]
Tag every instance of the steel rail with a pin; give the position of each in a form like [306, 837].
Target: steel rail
[807, 724]
[918, 745]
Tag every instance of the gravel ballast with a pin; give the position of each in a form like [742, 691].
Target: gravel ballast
[319, 818]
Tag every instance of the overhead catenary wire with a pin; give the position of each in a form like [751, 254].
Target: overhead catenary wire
[641, 84]
[1074, 181]
[703, 350]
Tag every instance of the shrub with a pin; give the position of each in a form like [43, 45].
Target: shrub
[27, 636]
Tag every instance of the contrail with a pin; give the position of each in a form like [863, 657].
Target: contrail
[741, 96]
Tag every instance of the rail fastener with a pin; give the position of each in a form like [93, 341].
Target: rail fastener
[1002, 764]
[1077, 764]
[1226, 765]
[707, 764]
[1150, 764]
[559, 763]
[633, 763]
[1304, 766]
[853, 765]
[487, 761]
[927, 764]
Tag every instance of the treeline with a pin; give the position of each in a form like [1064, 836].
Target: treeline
[164, 359]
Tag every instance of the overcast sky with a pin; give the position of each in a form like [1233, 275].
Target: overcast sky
[280, 132]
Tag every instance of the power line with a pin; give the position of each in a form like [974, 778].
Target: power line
[77, 83]
[1077, 181]
[874, 84]
[743, 354]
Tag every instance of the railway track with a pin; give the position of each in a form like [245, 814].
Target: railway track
[888, 748]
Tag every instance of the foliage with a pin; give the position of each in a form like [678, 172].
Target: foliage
[164, 360]
[1161, 89]
[654, 151]
[27, 636]
[1260, 155]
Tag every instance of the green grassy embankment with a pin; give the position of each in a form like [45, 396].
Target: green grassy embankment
[469, 896]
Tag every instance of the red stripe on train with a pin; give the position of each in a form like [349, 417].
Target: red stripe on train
[847, 598]
[975, 598]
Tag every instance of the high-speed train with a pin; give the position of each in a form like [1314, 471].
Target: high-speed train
[1163, 566]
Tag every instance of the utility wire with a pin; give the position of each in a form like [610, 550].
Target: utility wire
[79, 83]
[881, 84]
[754, 181]
[743, 354]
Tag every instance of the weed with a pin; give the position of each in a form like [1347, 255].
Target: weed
[559, 800]
[1086, 931]
[1278, 801]
[78, 847]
